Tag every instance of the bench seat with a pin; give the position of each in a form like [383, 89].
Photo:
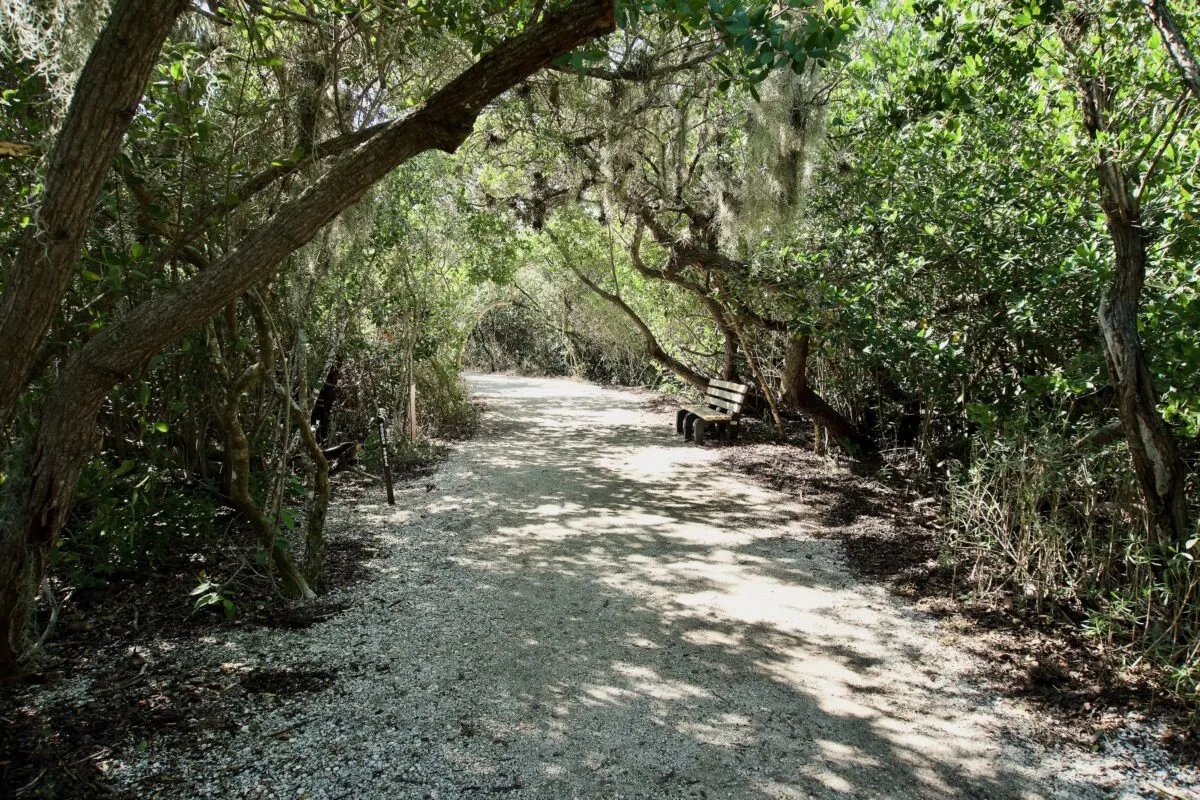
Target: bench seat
[709, 414]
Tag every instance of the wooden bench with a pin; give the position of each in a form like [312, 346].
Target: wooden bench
[722, 407]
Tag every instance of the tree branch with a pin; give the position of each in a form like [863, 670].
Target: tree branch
[1176, 44]
[653, 349]
[638, 73]
[65, 437]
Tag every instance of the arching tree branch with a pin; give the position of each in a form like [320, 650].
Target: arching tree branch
[65, 437]
[653, 349]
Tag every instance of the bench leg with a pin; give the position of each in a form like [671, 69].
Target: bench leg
[680, 415]
[700, 425]
[689, 427]
[735, 428]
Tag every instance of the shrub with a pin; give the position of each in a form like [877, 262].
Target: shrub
[1058, 523]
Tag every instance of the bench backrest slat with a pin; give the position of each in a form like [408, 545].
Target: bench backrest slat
[725, 396]
[722, 405]
[732, 397]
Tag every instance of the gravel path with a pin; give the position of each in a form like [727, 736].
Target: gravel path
[584, 606]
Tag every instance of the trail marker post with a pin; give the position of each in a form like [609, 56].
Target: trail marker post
[387, 465]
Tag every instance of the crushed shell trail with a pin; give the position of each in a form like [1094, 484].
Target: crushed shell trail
[585, 606]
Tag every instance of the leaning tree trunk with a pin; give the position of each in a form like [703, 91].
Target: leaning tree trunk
[721, 317]
[654, 350]
[66, 435]
[1160, 471]
[798, 394]
[105, 100]
[1175, 43]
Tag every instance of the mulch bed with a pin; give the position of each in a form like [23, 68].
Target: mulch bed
[119, 636]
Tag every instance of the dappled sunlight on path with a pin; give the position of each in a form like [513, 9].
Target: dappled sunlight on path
[678, 615]
[582, 605]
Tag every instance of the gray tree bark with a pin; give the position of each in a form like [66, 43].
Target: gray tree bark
[1176, 44]
[1161, 472]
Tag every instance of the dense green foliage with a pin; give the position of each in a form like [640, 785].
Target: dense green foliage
[943, 248]
[889, 212]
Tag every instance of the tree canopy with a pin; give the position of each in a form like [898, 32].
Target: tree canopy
[960, 238]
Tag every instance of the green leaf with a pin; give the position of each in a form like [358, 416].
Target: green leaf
[207, 600]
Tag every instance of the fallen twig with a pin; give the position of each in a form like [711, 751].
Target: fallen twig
[125, 684]
[1175, 794]
[289, 729]
[29, 786]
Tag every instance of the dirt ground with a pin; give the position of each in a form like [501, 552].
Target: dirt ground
[579, 604]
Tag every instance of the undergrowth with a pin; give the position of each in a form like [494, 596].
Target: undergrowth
[1061, 528]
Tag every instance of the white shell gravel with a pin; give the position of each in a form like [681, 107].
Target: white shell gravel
[585, 606]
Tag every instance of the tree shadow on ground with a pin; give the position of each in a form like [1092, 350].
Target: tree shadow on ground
[661, 629]
[591, 608]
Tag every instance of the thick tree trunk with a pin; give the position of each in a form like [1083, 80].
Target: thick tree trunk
[799, 395]
[65, 437]
[105, 100]
[729, 360]
[1160, 471]
[795, 367]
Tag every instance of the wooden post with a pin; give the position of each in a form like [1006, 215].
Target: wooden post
[387, 465]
